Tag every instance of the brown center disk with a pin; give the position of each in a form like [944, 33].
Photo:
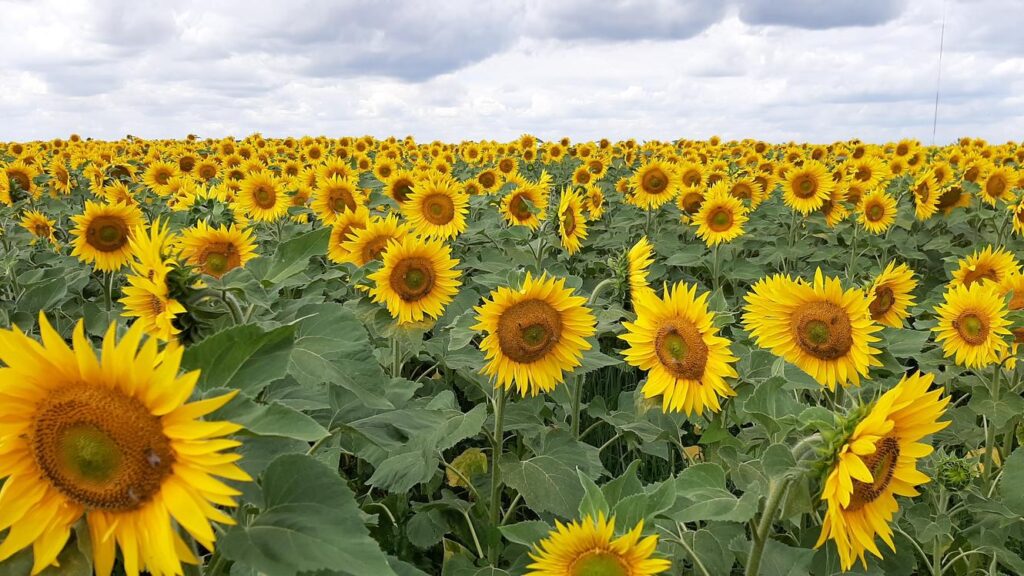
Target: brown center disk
[528, 330]
[374, 248]
[568, 221]
[874, 212]
[950, 197]
[518, 207]
[805, 186]
[823, 330]
[971, 327]
[742, 191]
[401, 189]
[342, 200]
[107, 233]
[101, 448]
[506, 165]
[162, 176]
[995, 186]
[412, 278]
[720, 220]
[219, 257]
[691, 177]
[681, 349]
[863, 174]
[207, 172]
[438, 209]
[980, 273]
[487, 179]
[882, 464]
[882, 302]
[654, 181]
[41, 230]
[692, 202]
[264, 196]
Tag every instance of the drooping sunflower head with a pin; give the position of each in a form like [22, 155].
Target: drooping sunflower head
[150, 246]
[877, 212]
[572, 225]
[102, 233]
[110, 438]
[534, 334]
[973, 327]
[589, 548]
[262, 197]
[654, 183]
[437, 207]
[417, 279]
[926, 196]
[891, 294]
[217, 251]
[987, 265]
[367, 243]
[675, 340]
[877, 463]
[336, 195]
[821, 328]
[149, 300]
[721, 216]
[594, 203]
[807, 186]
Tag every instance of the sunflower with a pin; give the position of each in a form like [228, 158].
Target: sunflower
[973, 324]
[990, 264]
[834, 209]
[877, 463]
[654, 183]
[217, 251]
[261, 198]
[111, 439]
[149, 300]
[868, 171]
[1018, 217]
[807, 187]
[366, 244]
[823, 330]
[60, 178]
[149, 247]
[749, 190]
[207, 169]
[998, 185]
[721, 216]
[572, 226]
[891, 295]
[41, 227]
[417, 279]
[639, 259]
[22, 175]
[489, 180]
[877, 212]
[675, 341]
[926, 197]
[952, 198]
[336, 195]
[437, 207]
[158, 174]
[342, 230]
[594, 203]
[588, 548]
[527, 203]
[690, 202]
[102, 232]
[534, 334]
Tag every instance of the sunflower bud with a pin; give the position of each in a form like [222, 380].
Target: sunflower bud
[954, 473]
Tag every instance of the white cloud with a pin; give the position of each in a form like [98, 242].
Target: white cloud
[776, 70]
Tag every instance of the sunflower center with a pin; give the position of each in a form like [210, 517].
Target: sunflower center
[569, 221]
[487, 179]
[598, 563]
[972, 173]
[882, 303]
[412, 279]
[681, 349]
[107, 233]
[583, 177]
[506, 165]
[401, 190]
[101, 448]
[1018, 335]
[41, 230]
[972, 328]
[162, 176]
[691, 178]
[342, 200]
[882, 464]
[692, 202]
[980, 274]
[519, 208]
[742, 191]
[950, 197]
[654, 181]
[207, 172]
[375, 247]
[823, 330]
[217, 263]
[720, 220]
[863, 174]
[875, 212]
[264, 196]
[995, 186]
[438, 209]
[805, 187]
[528, 330]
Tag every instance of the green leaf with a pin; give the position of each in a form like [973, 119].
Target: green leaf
[593, 502]
[526, 533]
[625, 485]
[292, 256]
[271, 419]
[783, 560]
[426, 528]
[43, 296]
[546, 484]
[245, 357]
[701, 495]
[1011, 487]
[998, 411]
[310, 522]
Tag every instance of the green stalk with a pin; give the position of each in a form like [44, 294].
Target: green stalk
[990, 430]
[776, 490]
[853, 254]
[108, 290]
[499, 437]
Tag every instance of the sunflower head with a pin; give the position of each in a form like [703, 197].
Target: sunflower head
[417, 279]
[973, 325]
[807, 186]
[984, 266]
[102, 234]
[654, 183]
[877, 212]
[589, 548]
[437, 207]
[721, 216]
[217, 251]
[572, 225]
[891, 294]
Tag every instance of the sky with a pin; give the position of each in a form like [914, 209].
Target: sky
[777, 70]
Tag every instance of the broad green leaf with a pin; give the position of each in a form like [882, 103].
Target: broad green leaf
[1011, 487]
[526, 533]
[245, 357]
[547, 485]
[292, 256]
[270, 419]
[593, 502]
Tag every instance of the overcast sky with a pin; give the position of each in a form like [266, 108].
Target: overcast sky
[812, 70]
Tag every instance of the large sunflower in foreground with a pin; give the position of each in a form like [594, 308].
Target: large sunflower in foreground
[972, 325]
[102, 232]
[217, 251]
[807, 187]
[437, 207]
[675, 341]
[721, 216]
[417, 280]
[877, 463]
[572, 225]
[820, 328]
[639, 259]
[112, 439]
[590, 548]
[653, 184]
[876, 212]
[987, 265]
[534, 334]
[261, 197]
[891, 294]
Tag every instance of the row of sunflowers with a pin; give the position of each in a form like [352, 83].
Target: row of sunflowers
[612, 358]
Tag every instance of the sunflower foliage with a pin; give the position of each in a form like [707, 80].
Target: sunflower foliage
[384, 357]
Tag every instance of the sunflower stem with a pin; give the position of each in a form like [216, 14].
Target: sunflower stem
[577, 400]
[396, 357]
[853, 255]
[697, 564]
[990, 430]
[108, 290]
[776, 490]
[937, 552]
[499, 436]
[233, 306]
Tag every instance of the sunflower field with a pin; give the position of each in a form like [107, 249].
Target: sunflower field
[360, 356]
